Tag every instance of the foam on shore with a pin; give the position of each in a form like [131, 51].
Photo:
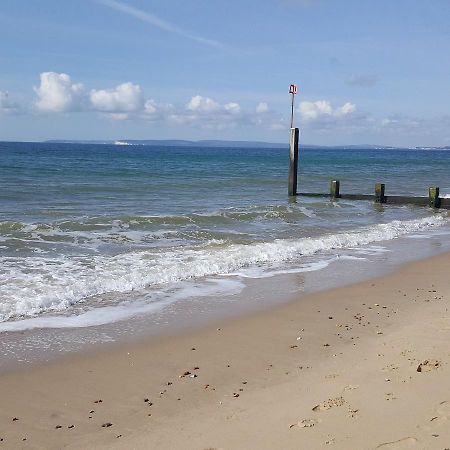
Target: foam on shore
[39, 284]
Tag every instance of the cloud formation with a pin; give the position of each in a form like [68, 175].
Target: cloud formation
[156, 21]
[312, 111]
[126, 97]
[201, 104]
[57, 93]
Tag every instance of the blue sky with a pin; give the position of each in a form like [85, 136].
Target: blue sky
[368, 72]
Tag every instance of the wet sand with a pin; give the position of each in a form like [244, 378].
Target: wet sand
[359, 367]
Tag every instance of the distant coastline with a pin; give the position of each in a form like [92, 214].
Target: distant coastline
[227, 144]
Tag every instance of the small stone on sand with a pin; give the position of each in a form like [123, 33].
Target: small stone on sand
[428, 365]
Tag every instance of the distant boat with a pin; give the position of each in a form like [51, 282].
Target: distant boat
[121, 143]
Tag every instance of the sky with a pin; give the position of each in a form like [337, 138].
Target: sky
[367, 72]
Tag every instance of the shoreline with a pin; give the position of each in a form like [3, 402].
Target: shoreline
[337, 368]
[25, 348]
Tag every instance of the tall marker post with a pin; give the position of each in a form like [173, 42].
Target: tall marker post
[293, 148]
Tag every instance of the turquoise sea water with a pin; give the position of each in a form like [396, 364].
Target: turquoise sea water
[101, 232]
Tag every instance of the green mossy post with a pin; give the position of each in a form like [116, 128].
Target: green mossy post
[293, 162]
[334, 189]
[379, 193]
[433, 197]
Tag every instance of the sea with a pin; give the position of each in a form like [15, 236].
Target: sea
[92, 235]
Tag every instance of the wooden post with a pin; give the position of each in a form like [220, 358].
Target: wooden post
[334, 189]
[379, 193]
[433, 197]
[293, 162]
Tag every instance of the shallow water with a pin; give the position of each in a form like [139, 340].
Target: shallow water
[93, 234]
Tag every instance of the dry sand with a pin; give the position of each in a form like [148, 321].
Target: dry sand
[360, 367]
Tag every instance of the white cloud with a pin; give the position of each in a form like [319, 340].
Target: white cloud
[314, 110]
[320, 109]
[202, 104]
[150, 107]
[57, 93]
[233, 108]
[262, 108]
[345, 109]
[126, 97]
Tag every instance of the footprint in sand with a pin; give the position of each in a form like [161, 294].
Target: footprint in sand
[350, 387]
[306, 423]
[330, 403]
[399, 445]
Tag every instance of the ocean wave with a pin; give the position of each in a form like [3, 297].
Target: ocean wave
[40, 283]
[126, 309]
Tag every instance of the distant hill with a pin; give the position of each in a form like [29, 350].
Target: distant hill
[177, 143]
[229, 144]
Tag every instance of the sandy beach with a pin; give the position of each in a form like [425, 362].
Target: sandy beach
[359, 367]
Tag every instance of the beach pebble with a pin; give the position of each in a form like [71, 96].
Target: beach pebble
[185, 374]
[428, 365]
[193, 375]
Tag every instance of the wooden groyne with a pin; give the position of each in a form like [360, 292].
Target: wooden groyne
[433, 200]
[379, 196]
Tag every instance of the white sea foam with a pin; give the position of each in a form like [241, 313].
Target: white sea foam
[35, 284]
[264, 272]
[125, 310]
